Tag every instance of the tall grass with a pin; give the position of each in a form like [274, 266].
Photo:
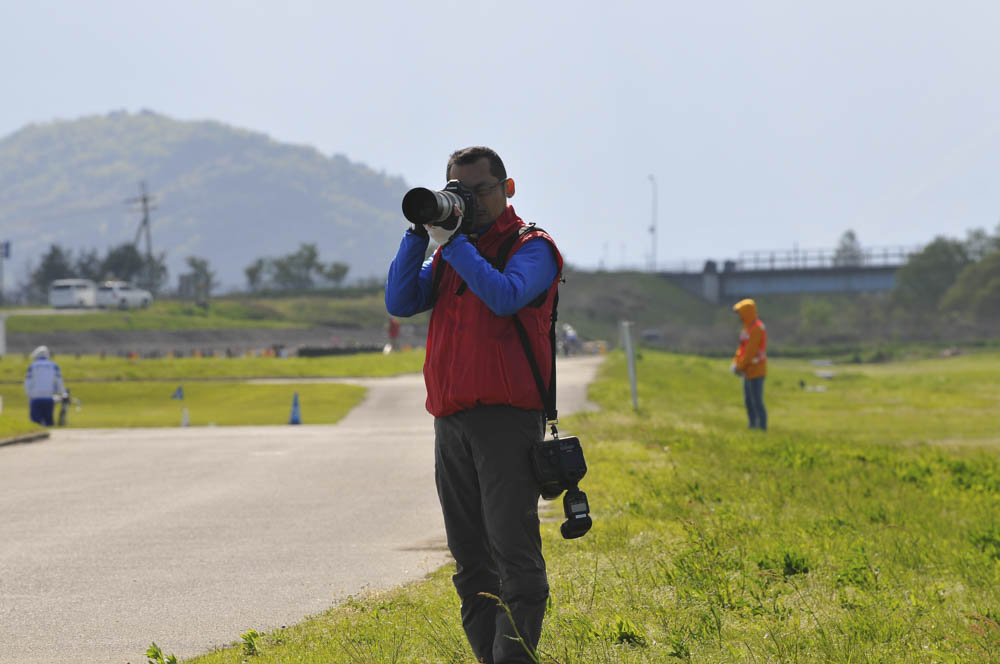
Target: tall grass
[863, 527]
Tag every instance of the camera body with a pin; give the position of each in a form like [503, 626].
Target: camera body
[559, 466]
[437, 208]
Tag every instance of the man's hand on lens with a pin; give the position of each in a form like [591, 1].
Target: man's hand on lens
[442, 235]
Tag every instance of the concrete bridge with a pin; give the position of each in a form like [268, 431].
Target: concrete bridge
[796, 271]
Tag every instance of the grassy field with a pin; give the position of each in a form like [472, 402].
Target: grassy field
[95, 368]
[863, 527]
[162, 315]
[119, 392]
[148, 404]
[15, 423]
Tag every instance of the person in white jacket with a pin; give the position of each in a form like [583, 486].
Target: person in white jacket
[42, 380]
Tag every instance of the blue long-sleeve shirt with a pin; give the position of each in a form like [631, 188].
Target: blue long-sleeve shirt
[43, 379]
[528, 273]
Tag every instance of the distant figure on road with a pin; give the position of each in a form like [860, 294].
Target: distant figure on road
[488, 410]
[750, 362]
[571, 342]
[393, 334]
[42, 381]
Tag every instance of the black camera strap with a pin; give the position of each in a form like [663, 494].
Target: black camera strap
[548, 395]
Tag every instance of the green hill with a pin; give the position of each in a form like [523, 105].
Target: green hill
[595, 302]
[225, 194]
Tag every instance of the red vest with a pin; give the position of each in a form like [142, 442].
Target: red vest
[474, 357]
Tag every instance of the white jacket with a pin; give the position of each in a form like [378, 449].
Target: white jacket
[43, 379]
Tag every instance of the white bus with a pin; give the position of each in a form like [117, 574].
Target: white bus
[72, 293]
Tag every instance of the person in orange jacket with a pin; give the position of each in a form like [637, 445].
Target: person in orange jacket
[750, 362]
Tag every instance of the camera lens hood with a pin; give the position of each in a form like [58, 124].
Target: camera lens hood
[426, 206]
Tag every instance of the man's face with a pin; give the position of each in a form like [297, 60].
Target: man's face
[491, 195]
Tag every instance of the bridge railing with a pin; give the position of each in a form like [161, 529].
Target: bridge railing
[793, 259]
[783, 259]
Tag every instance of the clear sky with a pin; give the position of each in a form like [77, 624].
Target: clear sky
[766, 125]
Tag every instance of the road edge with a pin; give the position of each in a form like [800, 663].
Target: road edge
[25, 438]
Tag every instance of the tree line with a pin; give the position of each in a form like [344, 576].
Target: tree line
[949, 276]
[300, 270]
[951, 279]
[123, 262]
[958, 279]
[947, 291]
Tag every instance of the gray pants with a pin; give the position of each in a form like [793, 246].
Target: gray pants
[489, 498]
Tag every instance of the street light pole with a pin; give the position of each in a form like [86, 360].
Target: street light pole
[652, 226]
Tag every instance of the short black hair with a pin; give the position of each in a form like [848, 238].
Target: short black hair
[471, 155]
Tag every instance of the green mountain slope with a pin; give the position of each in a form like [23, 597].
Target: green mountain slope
[225, 194]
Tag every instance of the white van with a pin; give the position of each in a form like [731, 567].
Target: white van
[123, 295]
[72, 293]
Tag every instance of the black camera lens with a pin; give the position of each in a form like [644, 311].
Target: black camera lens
[426, 206]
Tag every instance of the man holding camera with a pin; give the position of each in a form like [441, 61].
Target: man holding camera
[489, 267]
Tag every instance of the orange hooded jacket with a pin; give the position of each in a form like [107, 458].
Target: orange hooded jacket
[751, 357]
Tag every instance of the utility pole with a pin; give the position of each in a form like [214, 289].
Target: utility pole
[652, 226]
[146, 201]
[4, 253]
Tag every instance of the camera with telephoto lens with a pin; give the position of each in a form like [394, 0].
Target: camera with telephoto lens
[559, 466]
[437, 208]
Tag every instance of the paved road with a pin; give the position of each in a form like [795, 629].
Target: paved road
[111, 539]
